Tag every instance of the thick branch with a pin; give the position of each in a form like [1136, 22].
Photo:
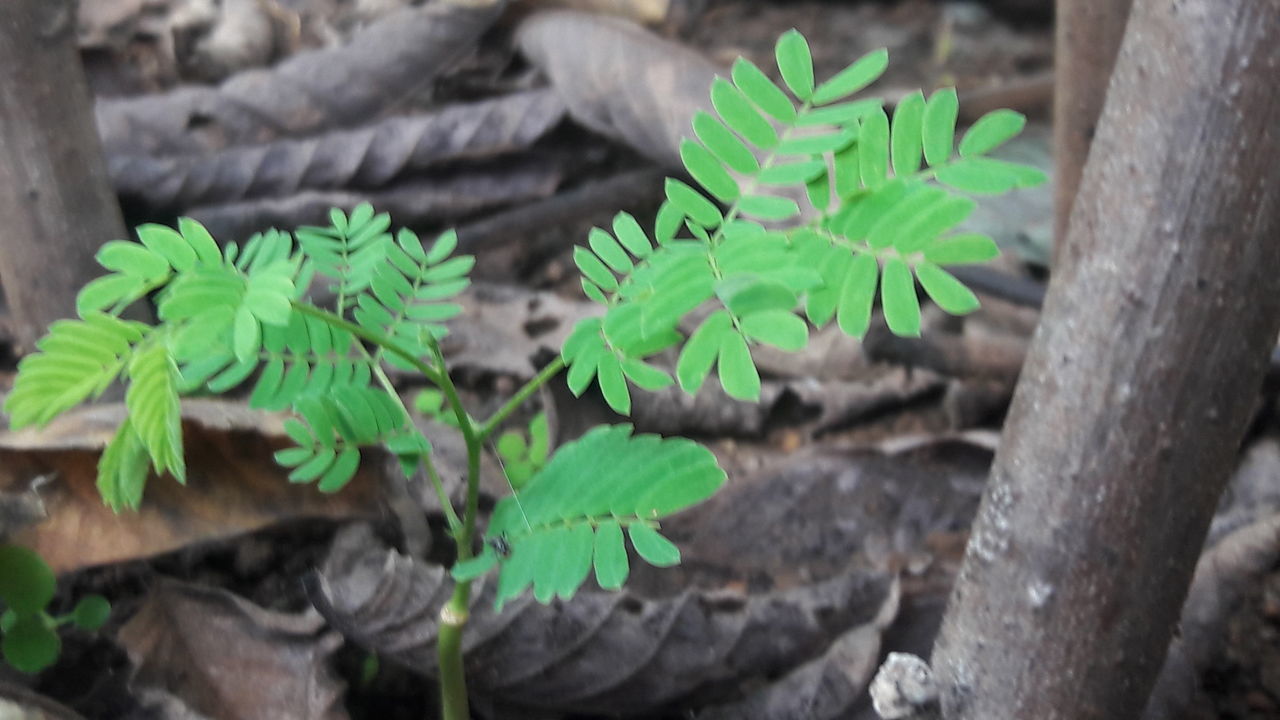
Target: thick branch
[1087, 38]
[1140, 380]
[55, 198]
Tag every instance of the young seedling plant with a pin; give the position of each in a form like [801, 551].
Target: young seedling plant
[30, 641]
[886, 194]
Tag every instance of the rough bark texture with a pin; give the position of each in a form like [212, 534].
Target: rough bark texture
[1088, 35]
[1139, 384]
[55, 197]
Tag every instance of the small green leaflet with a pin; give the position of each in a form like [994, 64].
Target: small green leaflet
[939, 125]
[898, 298]
[991, 131]
[864, 71]
[795, 63]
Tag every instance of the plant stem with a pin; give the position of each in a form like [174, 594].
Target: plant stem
[453, 616]
[548, 372]
[450, 515]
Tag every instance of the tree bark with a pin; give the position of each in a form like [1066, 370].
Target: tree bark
[1087, 39]
[1140, 382]
[55, 195]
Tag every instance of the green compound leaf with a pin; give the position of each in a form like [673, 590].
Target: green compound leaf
[962, 249]
[123, 469]
[984, 176]
[991, 131]
[949, 293]
[932, 221]
[738, 374]
[609, 250]
[760, 90]
[699, 354]
[340, 472]
[77, 360]
[692, 204]
[817, 144]
[795, 62]
[741, 116]
[724, 144]
[939, 127]
[778, 328]
[247, 337]
[791, 173]
[569, 516]
[907, 141]
[167, 243]
[768, 207]
[30, 645]
[26, 581]
[842, 114]
[104, 292]
[873, 149]
[707, 170]
[205, 247]
[861, 73]
[91, 612]
[613, 385]
[631, 235]
[610, 556]
[154, 410]
[132, 259]
[857, 295]
[898, 298]
[652, 547]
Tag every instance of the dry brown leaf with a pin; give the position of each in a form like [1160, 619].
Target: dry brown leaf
[230, 659]
[615, 653]
[806, 515]
[825, 688]
[338, 87]
[503, 327]
[370, 156]
[443, 196]
[620, 80]
[234, 485]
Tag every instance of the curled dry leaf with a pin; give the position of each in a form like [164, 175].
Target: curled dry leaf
[825, 688]
[235, 485]
[339, 87]
[620, 80]
[229, 659]
[367, 157]
[441, 197]
[600, 652]
[502, 328]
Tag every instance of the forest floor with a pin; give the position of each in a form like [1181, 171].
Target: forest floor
[852, 482]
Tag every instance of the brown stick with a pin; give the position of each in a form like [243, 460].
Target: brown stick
[1088, 34]
[1139, 384]
[55, 197]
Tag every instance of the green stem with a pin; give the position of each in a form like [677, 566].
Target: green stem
[529, 388]
[453, 616]
[450, 515]
[453, 682]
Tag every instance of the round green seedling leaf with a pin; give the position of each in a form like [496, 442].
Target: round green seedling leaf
[91, 612]
[26, 582]
[31, 645]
